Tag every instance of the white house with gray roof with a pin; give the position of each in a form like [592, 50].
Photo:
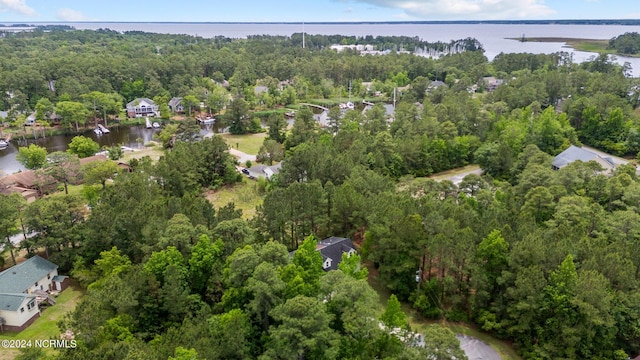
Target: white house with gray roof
[23, 287]
[142, 107]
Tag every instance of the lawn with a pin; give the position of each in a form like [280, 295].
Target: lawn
[45, 327]
[154, 152]
[249, 144]
[244, 195]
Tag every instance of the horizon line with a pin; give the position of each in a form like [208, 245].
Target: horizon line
[534, 21]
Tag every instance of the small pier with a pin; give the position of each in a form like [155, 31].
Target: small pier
[103, 129]
[148, 123]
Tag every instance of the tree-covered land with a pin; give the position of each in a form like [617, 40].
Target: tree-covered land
[627, 43]
[546, 259]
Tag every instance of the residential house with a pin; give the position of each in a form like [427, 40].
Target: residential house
[260, 89]
[51, 118]
[260, 170]
[175, 105]
[142, 107]
[31, 184]
[575, 153]
[27, 183]
[435, 84]
[23, 288]
[491, 83]
[332, 249]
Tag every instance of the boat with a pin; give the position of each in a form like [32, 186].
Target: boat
[208, 121]
[156, 125]
[3, 144]
[350, 105]
[103, 129]
[97, 131]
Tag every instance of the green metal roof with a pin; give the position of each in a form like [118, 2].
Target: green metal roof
[12, 302]
[19, 278]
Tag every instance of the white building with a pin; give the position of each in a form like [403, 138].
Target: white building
[23, 287]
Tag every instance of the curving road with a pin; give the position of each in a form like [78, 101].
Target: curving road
[476, 349]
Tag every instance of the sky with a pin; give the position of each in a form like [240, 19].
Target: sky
[26, 11]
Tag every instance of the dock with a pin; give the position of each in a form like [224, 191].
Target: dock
[149, 126]
[103, 129]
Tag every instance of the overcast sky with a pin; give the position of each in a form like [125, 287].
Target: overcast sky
[311, 10]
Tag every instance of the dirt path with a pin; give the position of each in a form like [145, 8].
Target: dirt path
[456, 175]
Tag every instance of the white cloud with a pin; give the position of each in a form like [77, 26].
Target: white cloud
[17, 6]
[466, 9]
[70, 15]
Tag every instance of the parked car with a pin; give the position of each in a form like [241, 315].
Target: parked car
[245, 171]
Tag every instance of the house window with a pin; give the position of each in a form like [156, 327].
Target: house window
[327, 263]
[31, 305]
[22, 309]
[36, 283]
[48, 276]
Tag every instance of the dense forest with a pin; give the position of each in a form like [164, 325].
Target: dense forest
[546, 259]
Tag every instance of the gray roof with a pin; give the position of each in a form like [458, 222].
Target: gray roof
[59, 278]
[258, 170]
[333, 248]
[21, 277]
[175, 101]
[12, 302]
[138, 100]
[575, 153]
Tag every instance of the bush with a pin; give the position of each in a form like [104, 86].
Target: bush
[456, 315]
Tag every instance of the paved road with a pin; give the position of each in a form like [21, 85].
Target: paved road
[616, 160]
[476, 349]
[242, 156]
[16, 239]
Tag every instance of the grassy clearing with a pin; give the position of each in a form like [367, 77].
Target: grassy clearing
[249, 144]
[45, 327]
[244, 195]
[154, 152]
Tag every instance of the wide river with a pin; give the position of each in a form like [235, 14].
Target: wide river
[494, 37]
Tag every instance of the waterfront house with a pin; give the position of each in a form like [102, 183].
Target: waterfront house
[23, 288]
[175, 105]
[142, 107]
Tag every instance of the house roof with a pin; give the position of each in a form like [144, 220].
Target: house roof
[333, 248]
[92, 159]
[261, 170]
[137, 101]
[24, 179]
[12, 302]
[21, 277]
[575, 153]
[175, 101]
[59, 278]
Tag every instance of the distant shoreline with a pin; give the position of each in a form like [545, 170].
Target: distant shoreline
[630, 22]
[589, 45]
